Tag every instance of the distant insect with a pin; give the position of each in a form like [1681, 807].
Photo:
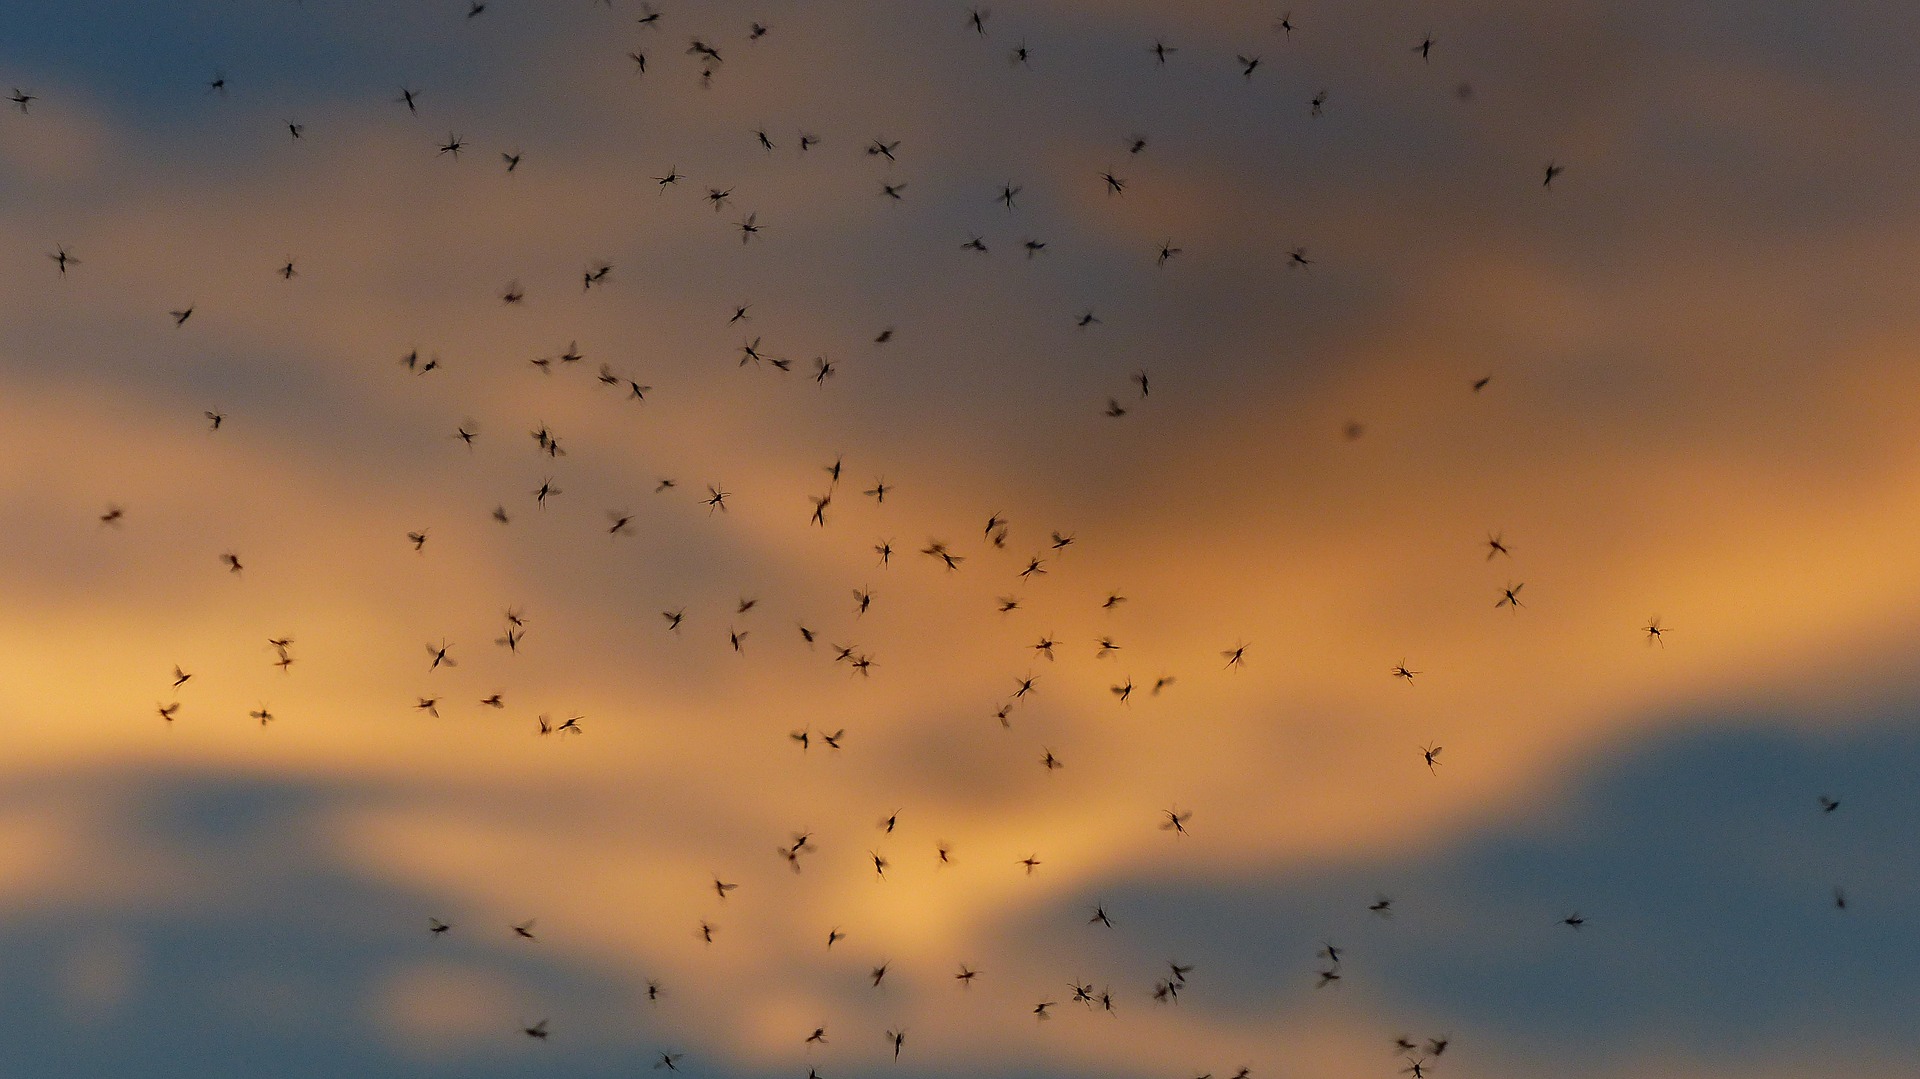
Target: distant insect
[1430, 753]
[1655, 633]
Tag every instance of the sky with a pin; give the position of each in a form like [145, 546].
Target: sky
[1462, 462]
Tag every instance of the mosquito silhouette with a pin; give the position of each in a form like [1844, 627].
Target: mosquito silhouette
[1431, 753]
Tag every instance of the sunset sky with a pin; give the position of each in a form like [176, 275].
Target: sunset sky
[1675, 384]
